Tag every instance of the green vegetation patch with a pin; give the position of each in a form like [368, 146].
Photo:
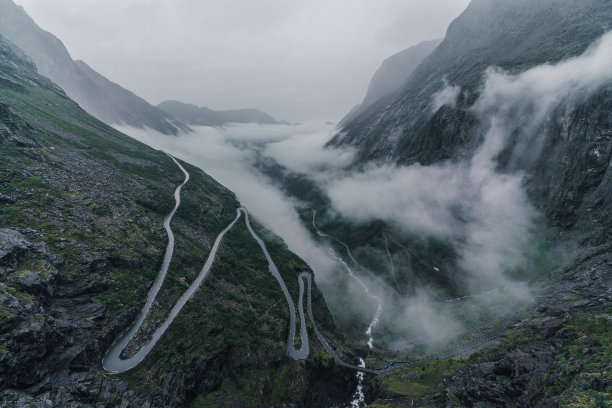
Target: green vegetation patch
[419, 381]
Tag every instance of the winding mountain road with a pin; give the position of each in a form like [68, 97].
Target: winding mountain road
[304, 350]
[112, 361]
[114, 364]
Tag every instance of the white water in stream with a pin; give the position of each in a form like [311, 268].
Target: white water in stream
[359, 396]
[379, 308]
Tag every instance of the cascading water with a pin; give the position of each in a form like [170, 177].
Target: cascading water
[379, 308]
[358, 396]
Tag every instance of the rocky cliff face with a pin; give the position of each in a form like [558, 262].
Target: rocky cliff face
[555, 353]
[513, 35]
[97, 95]
[81, 241]
[568, 168]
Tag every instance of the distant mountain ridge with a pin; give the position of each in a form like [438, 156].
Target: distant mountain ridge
[194, 115]
[396, 69]
[392, 74]
[96, 94]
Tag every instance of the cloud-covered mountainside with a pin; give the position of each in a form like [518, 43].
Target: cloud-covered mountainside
[496, 135]
[484, 214]
[513, 35]
[97, 95]
[472, 202]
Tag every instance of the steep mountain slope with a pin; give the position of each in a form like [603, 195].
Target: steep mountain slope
[97, 95]
[115, 104]
[202, 116]
[392, 74]
[566, 160]
[81, 241]
[513, 35]
[553, 134]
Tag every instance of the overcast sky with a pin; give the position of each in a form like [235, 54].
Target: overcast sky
[298, 60]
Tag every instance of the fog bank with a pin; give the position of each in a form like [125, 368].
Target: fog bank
[477, 207]
[228, 155]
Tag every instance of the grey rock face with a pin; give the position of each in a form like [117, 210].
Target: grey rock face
[13, 245]
[514, 35]
[396, 70]
[570, 181]
[31, 268]
[38, 281]
[569, 178]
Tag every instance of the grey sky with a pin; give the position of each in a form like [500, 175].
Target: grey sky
[298, 60]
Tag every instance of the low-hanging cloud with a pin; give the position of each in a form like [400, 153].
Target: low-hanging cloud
[445, 96]
[298, 148]
[419, 312]
[482, 211]
[485, 213]
[511, 104]
[409, 196]
[488, 219]
[228, 154]
[304, 153]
